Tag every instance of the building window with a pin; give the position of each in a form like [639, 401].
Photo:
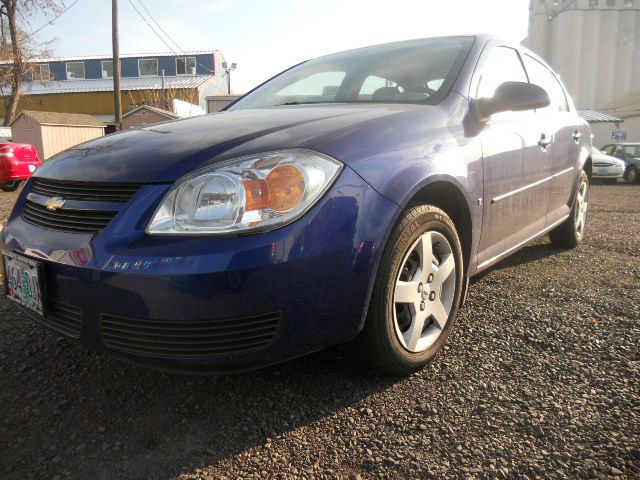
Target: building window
[628, 3]
[611, 3]
[107, 69]
[147, 67]
[41, 72]
[186, 66]
[593, 3]
[75, 70]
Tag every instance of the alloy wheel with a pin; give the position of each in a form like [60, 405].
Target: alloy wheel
[580, 214]
[424, 292]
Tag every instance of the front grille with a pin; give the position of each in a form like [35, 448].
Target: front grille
[85, 191]
[193, 338]
[602, 164]
[78, 221]
[63, 318]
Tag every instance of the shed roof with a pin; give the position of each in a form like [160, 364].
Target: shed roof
[595, 116]
[160, 111]
[57, 118]
[106, 84]
[625, 106]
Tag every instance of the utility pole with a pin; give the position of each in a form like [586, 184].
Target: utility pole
[228, 68]
[117, 100]
[165, 103]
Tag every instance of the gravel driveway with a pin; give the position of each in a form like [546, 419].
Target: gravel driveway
[541, 379]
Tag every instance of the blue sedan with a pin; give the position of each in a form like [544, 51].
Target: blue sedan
[351, 197]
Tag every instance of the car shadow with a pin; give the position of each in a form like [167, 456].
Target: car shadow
[531, 253]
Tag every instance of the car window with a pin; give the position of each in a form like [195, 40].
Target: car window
[618, 152]
[542, 76]
[502, 65]
[632, 151]
[608, 149]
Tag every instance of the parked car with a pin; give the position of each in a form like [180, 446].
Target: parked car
[353, 195]
[606, 168]
[630, 154]
[18, 161]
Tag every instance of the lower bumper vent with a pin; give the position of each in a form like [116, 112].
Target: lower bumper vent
[193, 338]
[63, 318]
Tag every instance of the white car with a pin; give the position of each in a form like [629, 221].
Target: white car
[606, 168]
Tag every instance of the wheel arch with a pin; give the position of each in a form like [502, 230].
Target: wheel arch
[448, 197]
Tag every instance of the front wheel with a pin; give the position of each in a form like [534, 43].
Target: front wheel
[9, 186]
[632, 175]
[416, 293]
[571, 232]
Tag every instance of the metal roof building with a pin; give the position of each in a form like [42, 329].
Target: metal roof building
[85, 84]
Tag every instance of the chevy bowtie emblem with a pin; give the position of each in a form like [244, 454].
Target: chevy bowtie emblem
[54, 203]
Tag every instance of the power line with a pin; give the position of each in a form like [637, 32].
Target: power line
[161, 29]
[169, 36]
[50, 22]
[151, 27]
[163, 40]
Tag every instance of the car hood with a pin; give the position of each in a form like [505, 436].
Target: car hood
[601, 157]
[165, 152]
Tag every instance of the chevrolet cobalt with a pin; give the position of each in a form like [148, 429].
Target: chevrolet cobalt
[351, 197]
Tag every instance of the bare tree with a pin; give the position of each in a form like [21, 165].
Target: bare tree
[18, 48]
[159, 99]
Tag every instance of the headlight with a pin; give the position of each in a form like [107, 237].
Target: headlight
[247, 194]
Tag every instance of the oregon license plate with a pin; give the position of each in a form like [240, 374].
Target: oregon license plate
[24, 280]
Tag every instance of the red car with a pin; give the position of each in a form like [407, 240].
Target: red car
[18, 161]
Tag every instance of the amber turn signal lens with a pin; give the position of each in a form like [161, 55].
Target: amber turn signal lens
[286, 187]
[256, 194]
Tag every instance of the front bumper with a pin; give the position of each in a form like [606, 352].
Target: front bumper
[607, 172]
[195, 303]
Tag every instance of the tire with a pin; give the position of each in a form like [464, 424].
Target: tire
[9, 186]
[570, 233]
[394, 340]
[632, 175]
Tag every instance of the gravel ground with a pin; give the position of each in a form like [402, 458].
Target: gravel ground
[541, 379]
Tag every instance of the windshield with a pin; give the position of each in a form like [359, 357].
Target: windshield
[416, 71]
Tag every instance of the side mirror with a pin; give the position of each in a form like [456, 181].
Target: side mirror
[513, 96]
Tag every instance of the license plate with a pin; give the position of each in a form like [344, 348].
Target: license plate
[24, 281]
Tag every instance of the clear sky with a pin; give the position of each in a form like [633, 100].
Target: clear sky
[266, 36]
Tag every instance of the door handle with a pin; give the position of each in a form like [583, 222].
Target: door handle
[576, 136]
[544, 141]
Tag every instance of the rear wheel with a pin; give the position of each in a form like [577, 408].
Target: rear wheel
[416, 294]
[632, 175]
[9, 186]
[571, 232]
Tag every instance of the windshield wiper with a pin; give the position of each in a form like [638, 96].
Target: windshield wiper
[294, 103]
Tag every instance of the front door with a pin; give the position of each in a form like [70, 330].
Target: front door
[516, 164]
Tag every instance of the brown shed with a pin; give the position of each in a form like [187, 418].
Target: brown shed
[52, 132]
[144, 115]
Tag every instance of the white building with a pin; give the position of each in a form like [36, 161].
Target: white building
[594, 45]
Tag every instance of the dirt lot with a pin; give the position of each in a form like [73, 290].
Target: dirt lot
[541, 379]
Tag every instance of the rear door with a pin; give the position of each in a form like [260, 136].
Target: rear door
[564, 127]
[515, 165]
